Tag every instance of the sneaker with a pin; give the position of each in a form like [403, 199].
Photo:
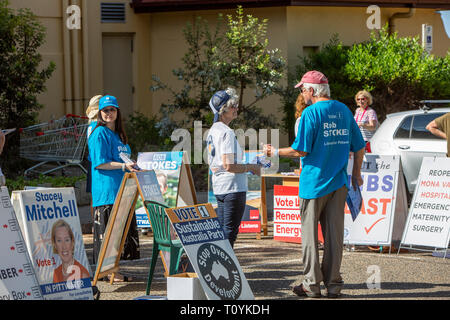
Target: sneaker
[302, 292]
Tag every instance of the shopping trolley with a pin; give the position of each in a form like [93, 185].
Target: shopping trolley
[62, 141]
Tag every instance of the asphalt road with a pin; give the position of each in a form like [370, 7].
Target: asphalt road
[272, 268]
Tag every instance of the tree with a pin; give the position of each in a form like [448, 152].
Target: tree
[235, 55]
[331, 59]
[397, 71]
[246, 62]
[20, 78]
[200, 79]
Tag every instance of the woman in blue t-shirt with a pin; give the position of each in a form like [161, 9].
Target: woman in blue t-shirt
[106, 142]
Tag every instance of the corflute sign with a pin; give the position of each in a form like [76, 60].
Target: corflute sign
[17, 278]
[51, 226]
[429, 214]
[209, 252]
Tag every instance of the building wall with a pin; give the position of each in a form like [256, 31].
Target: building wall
[159, 45]
[169, 46]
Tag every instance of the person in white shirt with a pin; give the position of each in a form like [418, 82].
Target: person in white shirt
[226, 161]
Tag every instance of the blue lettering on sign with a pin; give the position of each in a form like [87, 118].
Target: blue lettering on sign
[37, 212]
[372, 182]
[186, 213]
[388, 185]
[39, 196]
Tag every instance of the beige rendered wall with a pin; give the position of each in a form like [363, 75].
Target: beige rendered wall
[49, 13]
[169, 46]
[313, 26]
[139, 27]
[78, 54]
[159, 45]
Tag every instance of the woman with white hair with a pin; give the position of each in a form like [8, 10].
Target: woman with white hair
[226, 161]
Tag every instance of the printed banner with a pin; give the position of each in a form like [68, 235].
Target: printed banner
[17, 278]
[50, 223]
[384, 208]
[429, 214]
[167, 167]
[152, 190]
[287, 225]
[209, 252]
[251, 219]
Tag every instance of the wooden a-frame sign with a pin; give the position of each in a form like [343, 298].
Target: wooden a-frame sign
[134, 184]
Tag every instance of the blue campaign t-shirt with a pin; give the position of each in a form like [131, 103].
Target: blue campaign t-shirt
[91, 127]
[105, 146]
[327, 132]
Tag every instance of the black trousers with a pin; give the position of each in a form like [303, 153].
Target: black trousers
[131, 246]
[230, 209]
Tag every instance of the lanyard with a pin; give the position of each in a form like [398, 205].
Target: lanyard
[362, 116]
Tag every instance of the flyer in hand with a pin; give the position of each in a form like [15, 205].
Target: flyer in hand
[354, 201]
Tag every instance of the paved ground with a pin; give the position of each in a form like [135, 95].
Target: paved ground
[272, 268]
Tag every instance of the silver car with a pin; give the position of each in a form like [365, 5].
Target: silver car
[404, 134]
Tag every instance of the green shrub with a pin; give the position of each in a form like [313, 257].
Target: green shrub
[143, 136]
[60, 181]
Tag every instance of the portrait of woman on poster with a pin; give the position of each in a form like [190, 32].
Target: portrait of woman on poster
[63, 242]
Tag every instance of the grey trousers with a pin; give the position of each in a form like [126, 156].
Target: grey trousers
[329, 210]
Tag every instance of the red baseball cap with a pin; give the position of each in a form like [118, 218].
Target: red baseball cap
[314, 77]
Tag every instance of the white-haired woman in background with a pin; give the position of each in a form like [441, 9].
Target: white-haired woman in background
[226, 161]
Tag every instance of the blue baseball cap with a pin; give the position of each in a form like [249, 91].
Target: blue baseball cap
[217, 101]
[107, 101]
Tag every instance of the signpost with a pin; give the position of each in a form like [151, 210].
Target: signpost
[384, 209]
[251, 219]
[287, 225]
[50, 223]
[17, 277]
[428, 221]
[143, 185]
[172, 171]
[210, 253]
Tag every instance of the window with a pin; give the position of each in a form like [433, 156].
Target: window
[308, 50]
[420, 122]
[404, 129]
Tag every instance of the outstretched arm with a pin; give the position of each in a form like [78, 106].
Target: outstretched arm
[433, 128]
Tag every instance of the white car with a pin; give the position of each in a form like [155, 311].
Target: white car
[404, 134]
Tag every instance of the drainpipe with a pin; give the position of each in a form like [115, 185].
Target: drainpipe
[399, 15]
[84, 19]
[76, 69]
[67, 61]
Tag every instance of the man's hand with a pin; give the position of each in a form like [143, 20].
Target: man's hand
[357, 181]
[268, 150]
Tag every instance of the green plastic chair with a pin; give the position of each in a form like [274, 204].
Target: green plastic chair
[161, 239]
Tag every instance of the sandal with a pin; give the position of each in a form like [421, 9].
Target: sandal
[120, 278]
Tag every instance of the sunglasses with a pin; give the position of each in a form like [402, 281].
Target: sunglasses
[109, 110]
[361, 99]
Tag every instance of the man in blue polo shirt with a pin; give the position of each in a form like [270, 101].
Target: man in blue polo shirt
[326, 135]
